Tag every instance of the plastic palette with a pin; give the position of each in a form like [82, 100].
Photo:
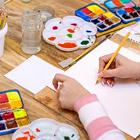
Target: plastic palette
[69, 33]
[12, 116]
[103, 19]
[46, 129]
[125, 9]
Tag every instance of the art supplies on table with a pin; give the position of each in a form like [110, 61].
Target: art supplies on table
[124, 115]
[69, 33]
[99, 16]
[12, 114]
[127, 10]
[135, 32]
[46, 129]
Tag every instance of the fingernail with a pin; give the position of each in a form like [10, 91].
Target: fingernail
[108, 83]
[99, 74]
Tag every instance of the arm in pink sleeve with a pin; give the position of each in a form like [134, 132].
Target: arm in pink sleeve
[95, 120]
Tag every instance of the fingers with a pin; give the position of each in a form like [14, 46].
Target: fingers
[103, 61]
[59, 78]
[111, 73]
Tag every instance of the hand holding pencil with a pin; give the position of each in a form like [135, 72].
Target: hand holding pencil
[114, 65]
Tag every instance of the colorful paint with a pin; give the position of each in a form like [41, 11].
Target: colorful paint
[68, 37]
[11, 113]
[67, 45]
[126, 10]
[98, 16]
[46, 129]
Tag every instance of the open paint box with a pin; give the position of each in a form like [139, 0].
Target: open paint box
[103, 19]
[124, 9]
[12, 114]
[69, 33]
[46, 129]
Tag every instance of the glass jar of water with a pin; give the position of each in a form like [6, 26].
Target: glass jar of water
[31, 32]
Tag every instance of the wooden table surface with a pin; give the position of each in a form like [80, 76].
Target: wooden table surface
[45, 103]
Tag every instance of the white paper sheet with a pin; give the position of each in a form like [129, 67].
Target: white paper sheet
[34, 74]
[121, 102]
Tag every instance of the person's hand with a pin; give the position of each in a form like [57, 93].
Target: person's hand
[120, 68]
[69, 91]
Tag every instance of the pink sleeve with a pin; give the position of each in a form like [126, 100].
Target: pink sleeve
[95, 120]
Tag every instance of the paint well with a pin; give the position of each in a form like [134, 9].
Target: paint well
[85, 42]
[109, 15]
[70, 30]
[70, 35]
[55, 28]
[86, 11]
[52, 38]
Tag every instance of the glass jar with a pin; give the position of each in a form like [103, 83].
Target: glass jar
[31, 32]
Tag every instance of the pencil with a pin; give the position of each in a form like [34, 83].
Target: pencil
[114, 55]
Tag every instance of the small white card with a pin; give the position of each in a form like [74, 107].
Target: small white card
[34, 74]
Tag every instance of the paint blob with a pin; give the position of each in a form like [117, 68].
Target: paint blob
[85, 42]
[51, 38]
[69, 35]
[67, 45]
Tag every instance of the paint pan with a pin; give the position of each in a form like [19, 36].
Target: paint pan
[11, 112]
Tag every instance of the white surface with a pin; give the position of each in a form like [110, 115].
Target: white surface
[34, 74]
[2, 39]
[121, 102]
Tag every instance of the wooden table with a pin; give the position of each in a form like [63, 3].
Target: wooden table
[45, 103]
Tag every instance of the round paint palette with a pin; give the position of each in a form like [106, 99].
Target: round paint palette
[46, 129]
[69, 33]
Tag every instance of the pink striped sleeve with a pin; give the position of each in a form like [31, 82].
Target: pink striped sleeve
[95, 119]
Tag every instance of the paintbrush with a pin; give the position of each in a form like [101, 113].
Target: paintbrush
[70, 61]
[115, 29]
[114, 55]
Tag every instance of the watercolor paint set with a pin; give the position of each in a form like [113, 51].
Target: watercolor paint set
[124, 9]
[69, 33]
[12, 114]
[99, 16]
[46, 129]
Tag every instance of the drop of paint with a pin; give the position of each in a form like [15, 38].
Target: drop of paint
[85, 42]
[70, 35]
[70, 30]
[55, 27]
[88, 31]
[74, 24]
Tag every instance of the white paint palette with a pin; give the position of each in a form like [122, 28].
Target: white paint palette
[46, 129]
[69, 33]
